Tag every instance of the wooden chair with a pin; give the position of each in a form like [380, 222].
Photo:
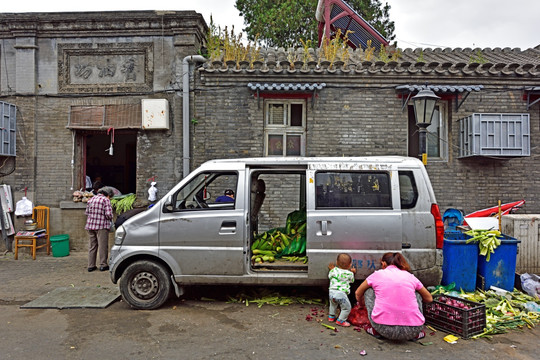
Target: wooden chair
[40, 215]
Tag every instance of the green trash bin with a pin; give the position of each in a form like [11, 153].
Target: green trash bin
[60, 245]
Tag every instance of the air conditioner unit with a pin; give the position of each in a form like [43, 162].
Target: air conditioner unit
[495, 134]
[155, 114]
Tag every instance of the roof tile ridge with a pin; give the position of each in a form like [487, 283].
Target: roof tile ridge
[535, 70]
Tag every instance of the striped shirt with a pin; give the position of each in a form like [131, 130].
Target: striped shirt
[99, 213]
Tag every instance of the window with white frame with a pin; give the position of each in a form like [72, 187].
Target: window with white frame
[285, 127]
[437, 134]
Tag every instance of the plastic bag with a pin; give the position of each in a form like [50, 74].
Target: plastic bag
[531, 284]
[359, 316]
[152, 192]
[24, 207]
[532, 306]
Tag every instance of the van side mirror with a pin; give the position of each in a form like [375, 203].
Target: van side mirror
[168, 206]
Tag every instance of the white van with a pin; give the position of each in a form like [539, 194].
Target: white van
[288, 219]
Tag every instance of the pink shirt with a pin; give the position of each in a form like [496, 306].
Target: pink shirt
[395, 297]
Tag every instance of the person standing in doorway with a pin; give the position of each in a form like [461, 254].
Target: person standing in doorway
[98, 223]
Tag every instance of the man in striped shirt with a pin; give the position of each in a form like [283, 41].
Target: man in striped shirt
[98, 223]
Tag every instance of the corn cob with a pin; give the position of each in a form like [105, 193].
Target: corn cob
[264, 252]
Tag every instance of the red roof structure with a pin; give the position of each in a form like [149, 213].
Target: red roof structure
[337, 14]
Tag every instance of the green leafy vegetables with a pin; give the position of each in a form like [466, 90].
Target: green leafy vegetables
[123, 203]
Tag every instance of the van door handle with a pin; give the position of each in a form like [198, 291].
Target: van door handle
[405, 245]
[324, 228]
[228, 227]
[228, 224]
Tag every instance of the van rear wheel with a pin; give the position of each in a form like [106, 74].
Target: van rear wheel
[145, 285]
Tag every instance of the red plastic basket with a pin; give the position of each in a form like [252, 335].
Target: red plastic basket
[456, 320]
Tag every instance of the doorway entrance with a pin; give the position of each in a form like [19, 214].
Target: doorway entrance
[117, 168]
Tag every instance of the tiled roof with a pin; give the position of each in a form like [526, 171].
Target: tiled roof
[287, 86]
[478, 62]
[440, 88]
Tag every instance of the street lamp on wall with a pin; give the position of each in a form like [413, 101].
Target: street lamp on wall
[424, 106]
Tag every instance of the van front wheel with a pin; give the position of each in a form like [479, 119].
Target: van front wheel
[145, 285]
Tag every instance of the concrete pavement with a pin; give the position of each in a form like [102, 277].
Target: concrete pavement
[194, 328]
[25, 279]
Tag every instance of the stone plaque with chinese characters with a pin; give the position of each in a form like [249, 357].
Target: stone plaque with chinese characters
[105, 68]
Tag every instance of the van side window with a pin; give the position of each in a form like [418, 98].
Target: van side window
[207, 191]
[367, 189]
[408, 193]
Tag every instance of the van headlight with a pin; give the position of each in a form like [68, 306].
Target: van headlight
[119, 235]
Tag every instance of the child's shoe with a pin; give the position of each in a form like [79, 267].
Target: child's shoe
[331, 318]
[343, 323]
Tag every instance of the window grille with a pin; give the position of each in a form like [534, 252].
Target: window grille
[8, 116]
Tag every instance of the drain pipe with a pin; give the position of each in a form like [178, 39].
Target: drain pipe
[185, 109]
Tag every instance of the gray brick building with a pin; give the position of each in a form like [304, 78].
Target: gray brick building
[78, 81]
[363, 107]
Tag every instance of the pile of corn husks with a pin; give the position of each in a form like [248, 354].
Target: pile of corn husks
[504, 311]
[265, 297]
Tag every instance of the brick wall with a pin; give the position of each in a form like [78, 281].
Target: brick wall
[356, 122]
[45, 146]
[229, 125]
[475, 183]
[357, 116]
